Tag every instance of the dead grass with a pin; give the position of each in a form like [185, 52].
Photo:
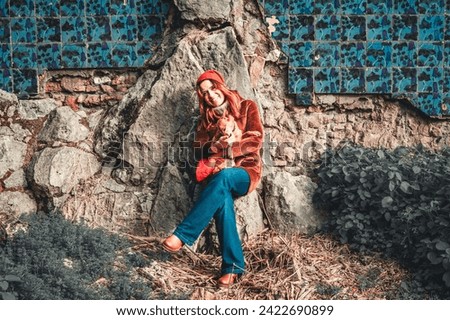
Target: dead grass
[290, 268]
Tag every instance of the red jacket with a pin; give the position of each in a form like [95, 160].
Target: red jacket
[246, 152]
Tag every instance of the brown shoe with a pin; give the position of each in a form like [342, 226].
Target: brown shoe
[172, 244]
[227, 280]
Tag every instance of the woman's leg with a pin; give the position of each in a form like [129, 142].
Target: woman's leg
[216, 200]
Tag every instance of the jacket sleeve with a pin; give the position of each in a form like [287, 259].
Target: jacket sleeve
[252, 135]
[202, 143]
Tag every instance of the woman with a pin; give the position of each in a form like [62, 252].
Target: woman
[223, 183]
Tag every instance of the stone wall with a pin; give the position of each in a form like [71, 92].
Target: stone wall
[112, 148]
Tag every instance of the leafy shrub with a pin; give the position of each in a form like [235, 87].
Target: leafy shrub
[57, 259]
[395, 202]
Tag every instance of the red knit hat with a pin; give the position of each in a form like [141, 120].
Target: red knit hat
[211, 75]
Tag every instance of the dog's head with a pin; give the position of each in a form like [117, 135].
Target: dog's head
[226, 125]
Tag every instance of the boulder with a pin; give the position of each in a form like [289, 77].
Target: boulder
[12, 154]
[57, 171]
[288, 201]
[63, 124]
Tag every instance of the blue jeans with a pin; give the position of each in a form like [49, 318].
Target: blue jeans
[217, 201]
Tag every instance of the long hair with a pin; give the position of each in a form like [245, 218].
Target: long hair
[207, 114]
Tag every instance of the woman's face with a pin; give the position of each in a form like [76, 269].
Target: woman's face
[212, 95]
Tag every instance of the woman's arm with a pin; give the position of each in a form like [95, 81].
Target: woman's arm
[252, 135]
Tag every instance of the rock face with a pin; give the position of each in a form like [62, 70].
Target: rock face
[129, 166]
[289, 203]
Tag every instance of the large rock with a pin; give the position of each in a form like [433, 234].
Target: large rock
[56, 171]
[288, 200]
[63, 124]
[172, 202]
[13, 204]
[7, 100]
[12, 154]
[35, 109]
[249, 216]
[97, 206]
[192, 10]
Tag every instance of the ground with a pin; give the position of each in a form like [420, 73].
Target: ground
[278, 267]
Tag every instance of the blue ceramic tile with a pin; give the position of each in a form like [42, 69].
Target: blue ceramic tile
[301, 28]
[48, 30]
[284, 58]
[353, 7]
[430, 80]
[6, 79]
[304, 99]
[21, 8]
[379, 54]
[149, 27]
[447, 27]
[378, 80]
[73, 56]
[47, 8]
[99, 55]
[353, 54]
[446, 80]
[73, 29]
[281, 26]
[405, 6]
[379, 27]
[144, 51]
[5, 32]
[4, 8]
[430, 103]
[431, 28]
[353, 80]
[5, 56]
[445, 108]
[327, 54]
[123, 55]
[24, 56]
[97, 7]
[405, 27]
[301, 54]
[165, 7]
[49, 56]
[326, 6]
[98, 28]
[301, 6]
[301, 80]
[25, 82]
[149, 7]
[23, 30]
[121, 7]
[327, 28]
[431, 7]
[72, 8]
[446, 54]
[353, 28]
[404, 54]
[379, 7]
[430, 54]
[404, 79]
[275, 7]
[326, 80]
[124, 28]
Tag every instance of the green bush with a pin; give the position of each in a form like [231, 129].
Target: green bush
[57, 259]
[395, 202]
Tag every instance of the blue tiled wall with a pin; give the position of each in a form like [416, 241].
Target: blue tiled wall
[38, 35]
[395, 47]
